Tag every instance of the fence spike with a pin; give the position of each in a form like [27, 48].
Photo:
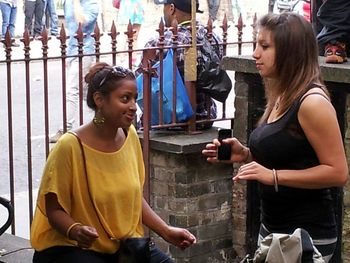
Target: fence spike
[97, 35]
[113, 33]
[44, 36]
[161, 28]
[79, 34]
[63, 35]
[130, 35]
[225, 25]
[129, 32]
[240, 25]
[7, 41]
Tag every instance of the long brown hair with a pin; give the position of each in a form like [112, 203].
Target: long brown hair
[296, 60]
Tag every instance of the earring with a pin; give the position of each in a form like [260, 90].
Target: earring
[98, 120]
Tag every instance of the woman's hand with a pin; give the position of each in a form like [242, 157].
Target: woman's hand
[255, 171]
[239, 153]
[84, 235]
[179, 237]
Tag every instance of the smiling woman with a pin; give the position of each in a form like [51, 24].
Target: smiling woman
[90, 199]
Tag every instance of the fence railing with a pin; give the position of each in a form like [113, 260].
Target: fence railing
[33, 98]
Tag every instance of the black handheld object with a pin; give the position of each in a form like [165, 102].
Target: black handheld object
[224, 150]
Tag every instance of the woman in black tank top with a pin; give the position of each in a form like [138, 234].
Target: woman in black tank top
[296, 152]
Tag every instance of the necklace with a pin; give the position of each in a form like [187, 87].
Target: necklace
[277, 104]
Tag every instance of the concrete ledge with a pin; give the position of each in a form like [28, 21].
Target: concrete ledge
[330, 72]
[15, 249]
[179, 142]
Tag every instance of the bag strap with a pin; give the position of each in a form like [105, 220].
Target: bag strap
[83, 155]
[87, 183]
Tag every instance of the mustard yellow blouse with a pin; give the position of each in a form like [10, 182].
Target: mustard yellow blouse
[115, 182]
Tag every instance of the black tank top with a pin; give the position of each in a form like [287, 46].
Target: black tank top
[282, 144]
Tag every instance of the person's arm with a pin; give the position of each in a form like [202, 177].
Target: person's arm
[318, 120]
[179, 237]
[239, 152]
[66, 225]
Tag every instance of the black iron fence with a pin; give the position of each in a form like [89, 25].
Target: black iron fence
[33, 100]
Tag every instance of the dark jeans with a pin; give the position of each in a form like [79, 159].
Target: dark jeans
[334, 15]
[66, 254]
[34, 9]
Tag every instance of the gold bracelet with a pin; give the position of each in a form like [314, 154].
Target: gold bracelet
[71, 227]
[275, 179]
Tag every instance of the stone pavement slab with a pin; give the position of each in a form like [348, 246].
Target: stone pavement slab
[15, 249]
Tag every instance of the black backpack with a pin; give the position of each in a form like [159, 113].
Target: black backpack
[211, 79]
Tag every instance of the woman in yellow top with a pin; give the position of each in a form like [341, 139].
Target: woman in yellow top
[81, 215]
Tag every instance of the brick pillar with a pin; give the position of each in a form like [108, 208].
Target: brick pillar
[346, 219]
[240, 189]
[188, 192]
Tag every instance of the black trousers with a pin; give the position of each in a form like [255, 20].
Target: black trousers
[67, 254]
[34, 10]
[334, 15]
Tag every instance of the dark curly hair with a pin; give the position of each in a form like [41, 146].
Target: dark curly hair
[104, 78]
